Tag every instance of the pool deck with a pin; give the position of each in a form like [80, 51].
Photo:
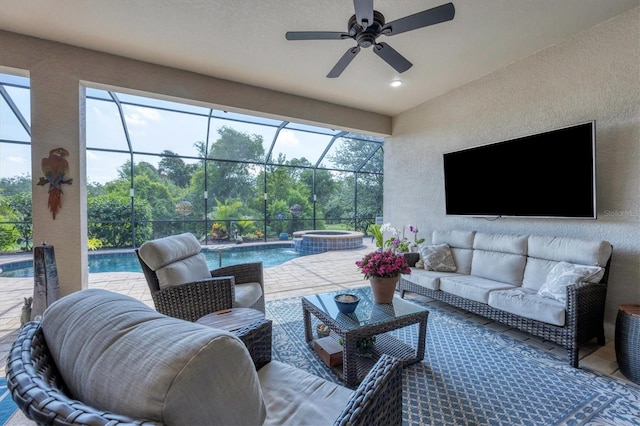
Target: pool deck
[304, 275]
[318, 273]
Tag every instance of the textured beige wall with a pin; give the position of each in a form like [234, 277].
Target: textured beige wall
[592, 76]
[55, 122]
[59, 73]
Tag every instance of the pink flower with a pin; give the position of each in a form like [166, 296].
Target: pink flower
[383, 264]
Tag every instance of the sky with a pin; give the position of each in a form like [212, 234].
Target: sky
[151, 130]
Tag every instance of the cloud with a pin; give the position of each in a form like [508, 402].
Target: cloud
[17, 160]
[140, 116]
[288, 138]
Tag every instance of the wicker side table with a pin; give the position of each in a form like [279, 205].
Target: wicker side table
[249, 325]
[627, 341]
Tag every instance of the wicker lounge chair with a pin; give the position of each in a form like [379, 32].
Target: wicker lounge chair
[182, 286]
[36, 367]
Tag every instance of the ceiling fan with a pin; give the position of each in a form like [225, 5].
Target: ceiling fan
[368, 24]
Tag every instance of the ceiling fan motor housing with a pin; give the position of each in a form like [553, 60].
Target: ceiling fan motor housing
[366, 37]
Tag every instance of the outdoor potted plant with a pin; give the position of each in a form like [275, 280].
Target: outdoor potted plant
[382, 269]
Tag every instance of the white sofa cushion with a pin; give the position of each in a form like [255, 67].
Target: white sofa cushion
[461, 239]
[536, 271]
[594, 253]
[565, 274]
[504, 267]
[471, 287]
[546, 252]
[503, 243]
[117, 354]
[527, 303]
[426, 279]
[288, 390]
[437, 258]
[462, 258]
[499, 257]
[461, 245]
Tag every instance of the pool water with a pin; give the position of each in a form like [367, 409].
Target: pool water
[128, 261]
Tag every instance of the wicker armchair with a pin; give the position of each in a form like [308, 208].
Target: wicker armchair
[220, 289]
[37, 386]
[39, 391]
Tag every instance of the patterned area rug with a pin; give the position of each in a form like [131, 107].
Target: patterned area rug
[7, 406]
[474, 376]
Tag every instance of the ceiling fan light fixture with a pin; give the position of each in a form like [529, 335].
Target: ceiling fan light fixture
[396, 83]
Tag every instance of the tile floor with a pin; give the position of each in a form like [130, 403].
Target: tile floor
[305, 275]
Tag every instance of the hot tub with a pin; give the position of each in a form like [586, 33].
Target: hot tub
[316, 241]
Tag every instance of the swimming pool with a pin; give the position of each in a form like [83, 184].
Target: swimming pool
[270, 255]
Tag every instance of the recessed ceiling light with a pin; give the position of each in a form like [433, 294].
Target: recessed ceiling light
[396, 83]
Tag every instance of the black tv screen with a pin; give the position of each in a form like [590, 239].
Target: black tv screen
[549, 175]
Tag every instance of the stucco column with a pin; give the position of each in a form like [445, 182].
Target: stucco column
[57, 120]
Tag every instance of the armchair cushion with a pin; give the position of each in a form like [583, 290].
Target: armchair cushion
[187, 270]
[117, 354]
[288, 391]
[175, 259]
[163, 251]
[247, 294]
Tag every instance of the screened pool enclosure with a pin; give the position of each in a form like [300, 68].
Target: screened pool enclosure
[156, 168]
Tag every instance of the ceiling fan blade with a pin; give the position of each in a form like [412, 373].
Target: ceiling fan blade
[316, 35]
[392, 57]
[364, 12]
[436, 15]
[343, 62]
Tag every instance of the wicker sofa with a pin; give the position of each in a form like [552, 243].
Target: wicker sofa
[101, 358]
[550, 287]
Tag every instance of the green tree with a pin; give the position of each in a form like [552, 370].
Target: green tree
[110, 220]
[229, 179]
[175, 169]
[95, 189]
[8, 232]
[21, 204]
[8, 235]
[352, 155]
[277, 212]
[15, 185]
[139, 169]
[225, 214]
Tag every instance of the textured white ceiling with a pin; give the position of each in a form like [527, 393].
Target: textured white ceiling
[243, 40]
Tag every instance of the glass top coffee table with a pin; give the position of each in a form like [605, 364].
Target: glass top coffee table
[369, 319]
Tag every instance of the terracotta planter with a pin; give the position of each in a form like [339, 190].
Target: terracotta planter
[383, 288]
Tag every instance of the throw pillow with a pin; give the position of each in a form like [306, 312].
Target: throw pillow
[419, 264]
[565, 274]
[437, 258]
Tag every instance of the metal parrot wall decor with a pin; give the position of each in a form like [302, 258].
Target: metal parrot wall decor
[55, 167]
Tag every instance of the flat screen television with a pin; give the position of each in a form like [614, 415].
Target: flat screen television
[546, 175]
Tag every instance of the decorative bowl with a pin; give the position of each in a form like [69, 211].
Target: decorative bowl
[346, 302]
[323, 331]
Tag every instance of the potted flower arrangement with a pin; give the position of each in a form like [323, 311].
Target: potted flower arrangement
[382, 269]
[395, 242]
[416, 242]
